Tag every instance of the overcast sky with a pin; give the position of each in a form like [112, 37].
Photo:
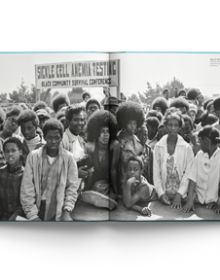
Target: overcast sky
[194, 70]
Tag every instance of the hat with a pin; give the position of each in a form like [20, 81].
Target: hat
[42, 113]
[111, 101]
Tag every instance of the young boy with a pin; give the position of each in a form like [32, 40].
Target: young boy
[136, 191]
[29, 124]
[10, 180]
[10, 126]
[49, 185]
[204, 175]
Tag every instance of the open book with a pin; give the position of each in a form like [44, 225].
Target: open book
[94, 136]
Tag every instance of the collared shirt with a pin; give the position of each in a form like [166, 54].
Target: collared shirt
[182, 157]
[205, 172]
[74, 144]
[49, 181]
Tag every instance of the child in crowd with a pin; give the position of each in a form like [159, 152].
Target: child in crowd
[10, 126]
[29, 123]
[136, 191]
[49, 185]
[172, 160]
[10, 180]
[204, 175]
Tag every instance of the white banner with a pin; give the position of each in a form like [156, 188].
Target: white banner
[77, 74]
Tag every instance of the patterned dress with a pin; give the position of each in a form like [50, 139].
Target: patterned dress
[173, 180]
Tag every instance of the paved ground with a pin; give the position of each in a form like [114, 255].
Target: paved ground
[86, 212]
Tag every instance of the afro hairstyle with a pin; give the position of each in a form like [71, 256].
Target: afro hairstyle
[179, 102]
[156, 114]
[181, 92]
[152, 122]
[40, 105]
[14, 140]
[73, 110]
[173, 113]
[97, 121]
[28, 115]
[59, 100]
[129, 111]
[92, 101]
[210, 132]
[160, 102]
[208, 119]
[53, 124]
[189, 119]
[14, 111]
[193, 94]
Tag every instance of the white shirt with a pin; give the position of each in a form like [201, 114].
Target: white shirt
[78, 151]
[183, 157]
[51, 159]
[74, 144]
[205, 172]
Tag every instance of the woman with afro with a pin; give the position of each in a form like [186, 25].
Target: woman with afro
[103, 157]
[130, 119]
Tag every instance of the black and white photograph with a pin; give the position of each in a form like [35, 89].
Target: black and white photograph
[95, 136]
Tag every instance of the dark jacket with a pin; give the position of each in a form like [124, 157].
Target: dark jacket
[10, 182]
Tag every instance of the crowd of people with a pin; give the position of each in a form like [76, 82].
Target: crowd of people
[109, 152]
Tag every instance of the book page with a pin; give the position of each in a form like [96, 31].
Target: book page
[61, 181]
[169, 98]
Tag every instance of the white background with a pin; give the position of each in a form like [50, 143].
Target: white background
[115, 250]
